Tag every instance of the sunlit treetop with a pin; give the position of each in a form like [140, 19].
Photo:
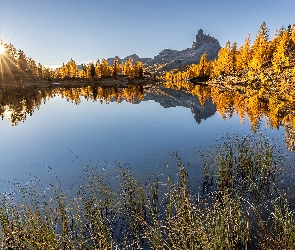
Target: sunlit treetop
[2, 49]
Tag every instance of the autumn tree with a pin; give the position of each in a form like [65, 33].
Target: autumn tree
[204, 66]
[243, 56]
[92, 71]
[64, 71]
[97, 69]
[124, 67]
[138, 69]
[220, 63]
[232, 67]
[47, 73]
[40, 71]
[83, 72]
[280, 56]
[130, 68]
[168, 76]
[226, 61]
[115, 67]
[8, 61]
[72, 68]
[260, 50]
[104, 67]
[32, 67]
[22, 61]
[15, 65]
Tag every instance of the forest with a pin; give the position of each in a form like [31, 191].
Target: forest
[17, 67]
[263, 62]
[254, 80]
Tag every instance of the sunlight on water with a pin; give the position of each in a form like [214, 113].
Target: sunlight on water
[141, 134]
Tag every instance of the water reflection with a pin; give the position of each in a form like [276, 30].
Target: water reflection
[17, 103]
[275, 108]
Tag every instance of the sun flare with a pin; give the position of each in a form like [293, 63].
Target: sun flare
[2, 49]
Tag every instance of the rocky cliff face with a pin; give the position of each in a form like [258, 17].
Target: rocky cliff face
[169, 59]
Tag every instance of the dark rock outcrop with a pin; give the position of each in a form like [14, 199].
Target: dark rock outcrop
[169, 59]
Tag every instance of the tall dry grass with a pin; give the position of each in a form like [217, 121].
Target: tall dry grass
[241, 205]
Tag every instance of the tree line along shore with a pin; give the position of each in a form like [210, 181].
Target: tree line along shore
[264, 62]
[16, 67]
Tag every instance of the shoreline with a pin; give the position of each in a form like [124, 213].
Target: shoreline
[122, 82]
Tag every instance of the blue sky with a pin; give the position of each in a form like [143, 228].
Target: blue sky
[54, 31]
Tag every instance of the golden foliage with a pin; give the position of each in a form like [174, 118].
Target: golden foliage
[244, 55]
[263, 62]
[280, 58]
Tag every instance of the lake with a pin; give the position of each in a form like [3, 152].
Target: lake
[139, 125]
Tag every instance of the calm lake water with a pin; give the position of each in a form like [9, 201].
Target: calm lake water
[138, 126]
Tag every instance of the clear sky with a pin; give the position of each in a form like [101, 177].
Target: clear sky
[53, 31]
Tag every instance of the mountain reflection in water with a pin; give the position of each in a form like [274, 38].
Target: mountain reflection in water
[18, 103]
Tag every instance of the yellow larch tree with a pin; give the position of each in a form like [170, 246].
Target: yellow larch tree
[244, 55]
[272, 45]
[168, 76]
[260, 50]
[64, 71]
[193, 70]
[280, 56]
[138, 69]
[97, 69]
[221, 63]
[105, 69]
[22, 62]
[32, 67]
[115, 67]
[226, 62]
[130, 68]
[204, 66]
[72, 68]
[232, 60]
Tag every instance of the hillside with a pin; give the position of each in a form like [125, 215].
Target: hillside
[265, 63]
[169, 59]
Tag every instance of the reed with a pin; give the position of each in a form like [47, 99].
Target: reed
[241, 206]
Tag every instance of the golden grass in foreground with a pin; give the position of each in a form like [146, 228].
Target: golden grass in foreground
[242, 206]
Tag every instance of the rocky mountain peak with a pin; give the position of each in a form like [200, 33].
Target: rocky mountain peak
[202, 39]
[169, 59]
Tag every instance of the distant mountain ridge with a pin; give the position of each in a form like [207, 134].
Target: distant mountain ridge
[169, 59]
[134, 57]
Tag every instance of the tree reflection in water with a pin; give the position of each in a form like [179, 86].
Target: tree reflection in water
[274, 105]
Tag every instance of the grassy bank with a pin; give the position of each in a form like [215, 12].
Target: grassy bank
[243, 203]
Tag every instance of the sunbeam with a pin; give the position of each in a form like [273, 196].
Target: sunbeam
[2, 49]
